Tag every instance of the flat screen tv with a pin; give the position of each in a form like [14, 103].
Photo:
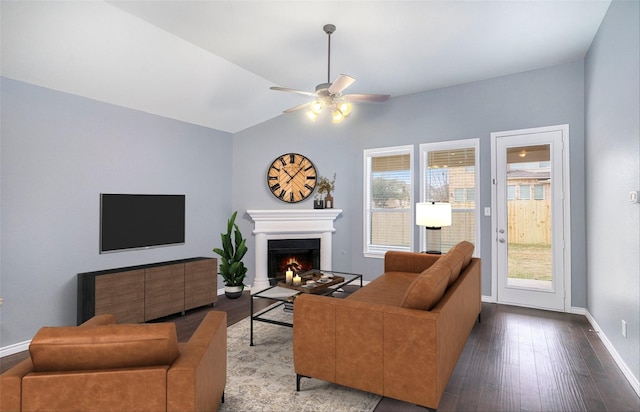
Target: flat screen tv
[139, 221]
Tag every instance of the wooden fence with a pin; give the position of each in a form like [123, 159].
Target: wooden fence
[529, 221]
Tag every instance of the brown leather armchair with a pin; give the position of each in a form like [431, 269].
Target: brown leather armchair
[101, 366]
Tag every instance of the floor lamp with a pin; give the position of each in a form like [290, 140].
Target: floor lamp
[433, 216]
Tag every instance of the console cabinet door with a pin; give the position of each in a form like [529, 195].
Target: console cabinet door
[121, 294]
[164, 291]
[200, 283]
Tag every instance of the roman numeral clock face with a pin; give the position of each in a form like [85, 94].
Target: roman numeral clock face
[291, 177]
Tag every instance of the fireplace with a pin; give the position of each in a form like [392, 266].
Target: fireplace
[298, 255]
[296, 224]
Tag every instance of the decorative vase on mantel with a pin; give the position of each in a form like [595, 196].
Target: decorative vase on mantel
[318, 204]
[328, 201]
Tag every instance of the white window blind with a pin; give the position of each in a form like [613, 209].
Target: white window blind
[449, 173]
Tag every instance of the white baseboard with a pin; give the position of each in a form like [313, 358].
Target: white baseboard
[578, 311]
[633, 380]
[488, 299]
[15, 348]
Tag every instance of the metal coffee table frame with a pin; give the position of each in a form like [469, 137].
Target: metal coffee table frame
[285, 296]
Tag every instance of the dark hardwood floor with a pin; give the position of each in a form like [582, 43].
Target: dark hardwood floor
[516, 359]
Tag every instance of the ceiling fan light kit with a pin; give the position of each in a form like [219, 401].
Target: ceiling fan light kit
[329, 95]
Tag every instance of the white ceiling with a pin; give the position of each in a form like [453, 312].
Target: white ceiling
[211, 63]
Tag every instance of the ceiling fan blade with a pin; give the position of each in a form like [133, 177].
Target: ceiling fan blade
[376, 98]
[285, 89]
[298, 107]
[342, 82]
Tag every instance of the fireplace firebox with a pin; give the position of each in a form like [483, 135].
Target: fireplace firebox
[299, 255]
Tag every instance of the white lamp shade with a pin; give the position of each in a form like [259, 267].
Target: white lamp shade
[433, 214]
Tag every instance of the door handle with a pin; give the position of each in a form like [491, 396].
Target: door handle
[501, 231]
[501, 240]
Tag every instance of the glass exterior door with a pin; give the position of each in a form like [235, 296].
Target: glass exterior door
[529, 238]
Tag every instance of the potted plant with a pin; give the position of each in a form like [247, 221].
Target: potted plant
[327, 186]
[233, 250]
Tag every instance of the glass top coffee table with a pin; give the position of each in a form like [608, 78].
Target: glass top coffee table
[327, 283]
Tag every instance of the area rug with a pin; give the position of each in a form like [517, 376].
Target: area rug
[262, 378]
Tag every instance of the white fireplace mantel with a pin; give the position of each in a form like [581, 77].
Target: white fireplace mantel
[290, 224]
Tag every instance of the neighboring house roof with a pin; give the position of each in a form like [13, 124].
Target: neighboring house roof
[529, 174]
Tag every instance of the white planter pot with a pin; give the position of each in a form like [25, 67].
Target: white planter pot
[233, 292]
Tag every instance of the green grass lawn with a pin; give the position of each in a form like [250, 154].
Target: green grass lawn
[528, 261]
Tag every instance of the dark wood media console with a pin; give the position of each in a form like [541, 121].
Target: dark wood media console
[137, 294]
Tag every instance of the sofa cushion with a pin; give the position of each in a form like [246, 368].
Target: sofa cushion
[428, 288]
[103, 347]
[466, 248]
[454, 260]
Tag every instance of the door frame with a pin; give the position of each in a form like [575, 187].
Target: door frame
[566, 208]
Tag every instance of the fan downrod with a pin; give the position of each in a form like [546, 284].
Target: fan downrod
[329, 29]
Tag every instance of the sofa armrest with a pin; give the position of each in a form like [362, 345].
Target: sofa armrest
[408, 261]
[196, 380]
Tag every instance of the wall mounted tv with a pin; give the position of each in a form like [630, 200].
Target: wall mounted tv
[137, 221]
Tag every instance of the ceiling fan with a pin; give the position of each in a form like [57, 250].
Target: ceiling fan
[329, 95]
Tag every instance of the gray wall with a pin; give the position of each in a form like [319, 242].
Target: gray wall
[612, 75]
[59, 152]
[538, 98]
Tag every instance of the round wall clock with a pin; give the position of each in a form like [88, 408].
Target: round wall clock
[291, 177]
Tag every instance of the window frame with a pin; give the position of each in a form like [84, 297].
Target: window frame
[542, 193]
[377, 251]
[424, 150]
[459, 194]
[524, 192]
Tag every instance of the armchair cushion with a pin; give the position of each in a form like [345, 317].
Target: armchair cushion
[103, 347]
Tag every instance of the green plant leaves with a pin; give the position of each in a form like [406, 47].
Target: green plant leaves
[232, 269]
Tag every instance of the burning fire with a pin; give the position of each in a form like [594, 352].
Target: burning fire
[292, 263]
[296, 264]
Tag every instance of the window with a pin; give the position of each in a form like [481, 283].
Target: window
[525, 192]
[471, 194]
[538, 192]
[511, 192]
[388, 200]
[449, 172]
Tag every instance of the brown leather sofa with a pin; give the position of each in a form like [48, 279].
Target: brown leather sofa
[399, 336]
[101, 366]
